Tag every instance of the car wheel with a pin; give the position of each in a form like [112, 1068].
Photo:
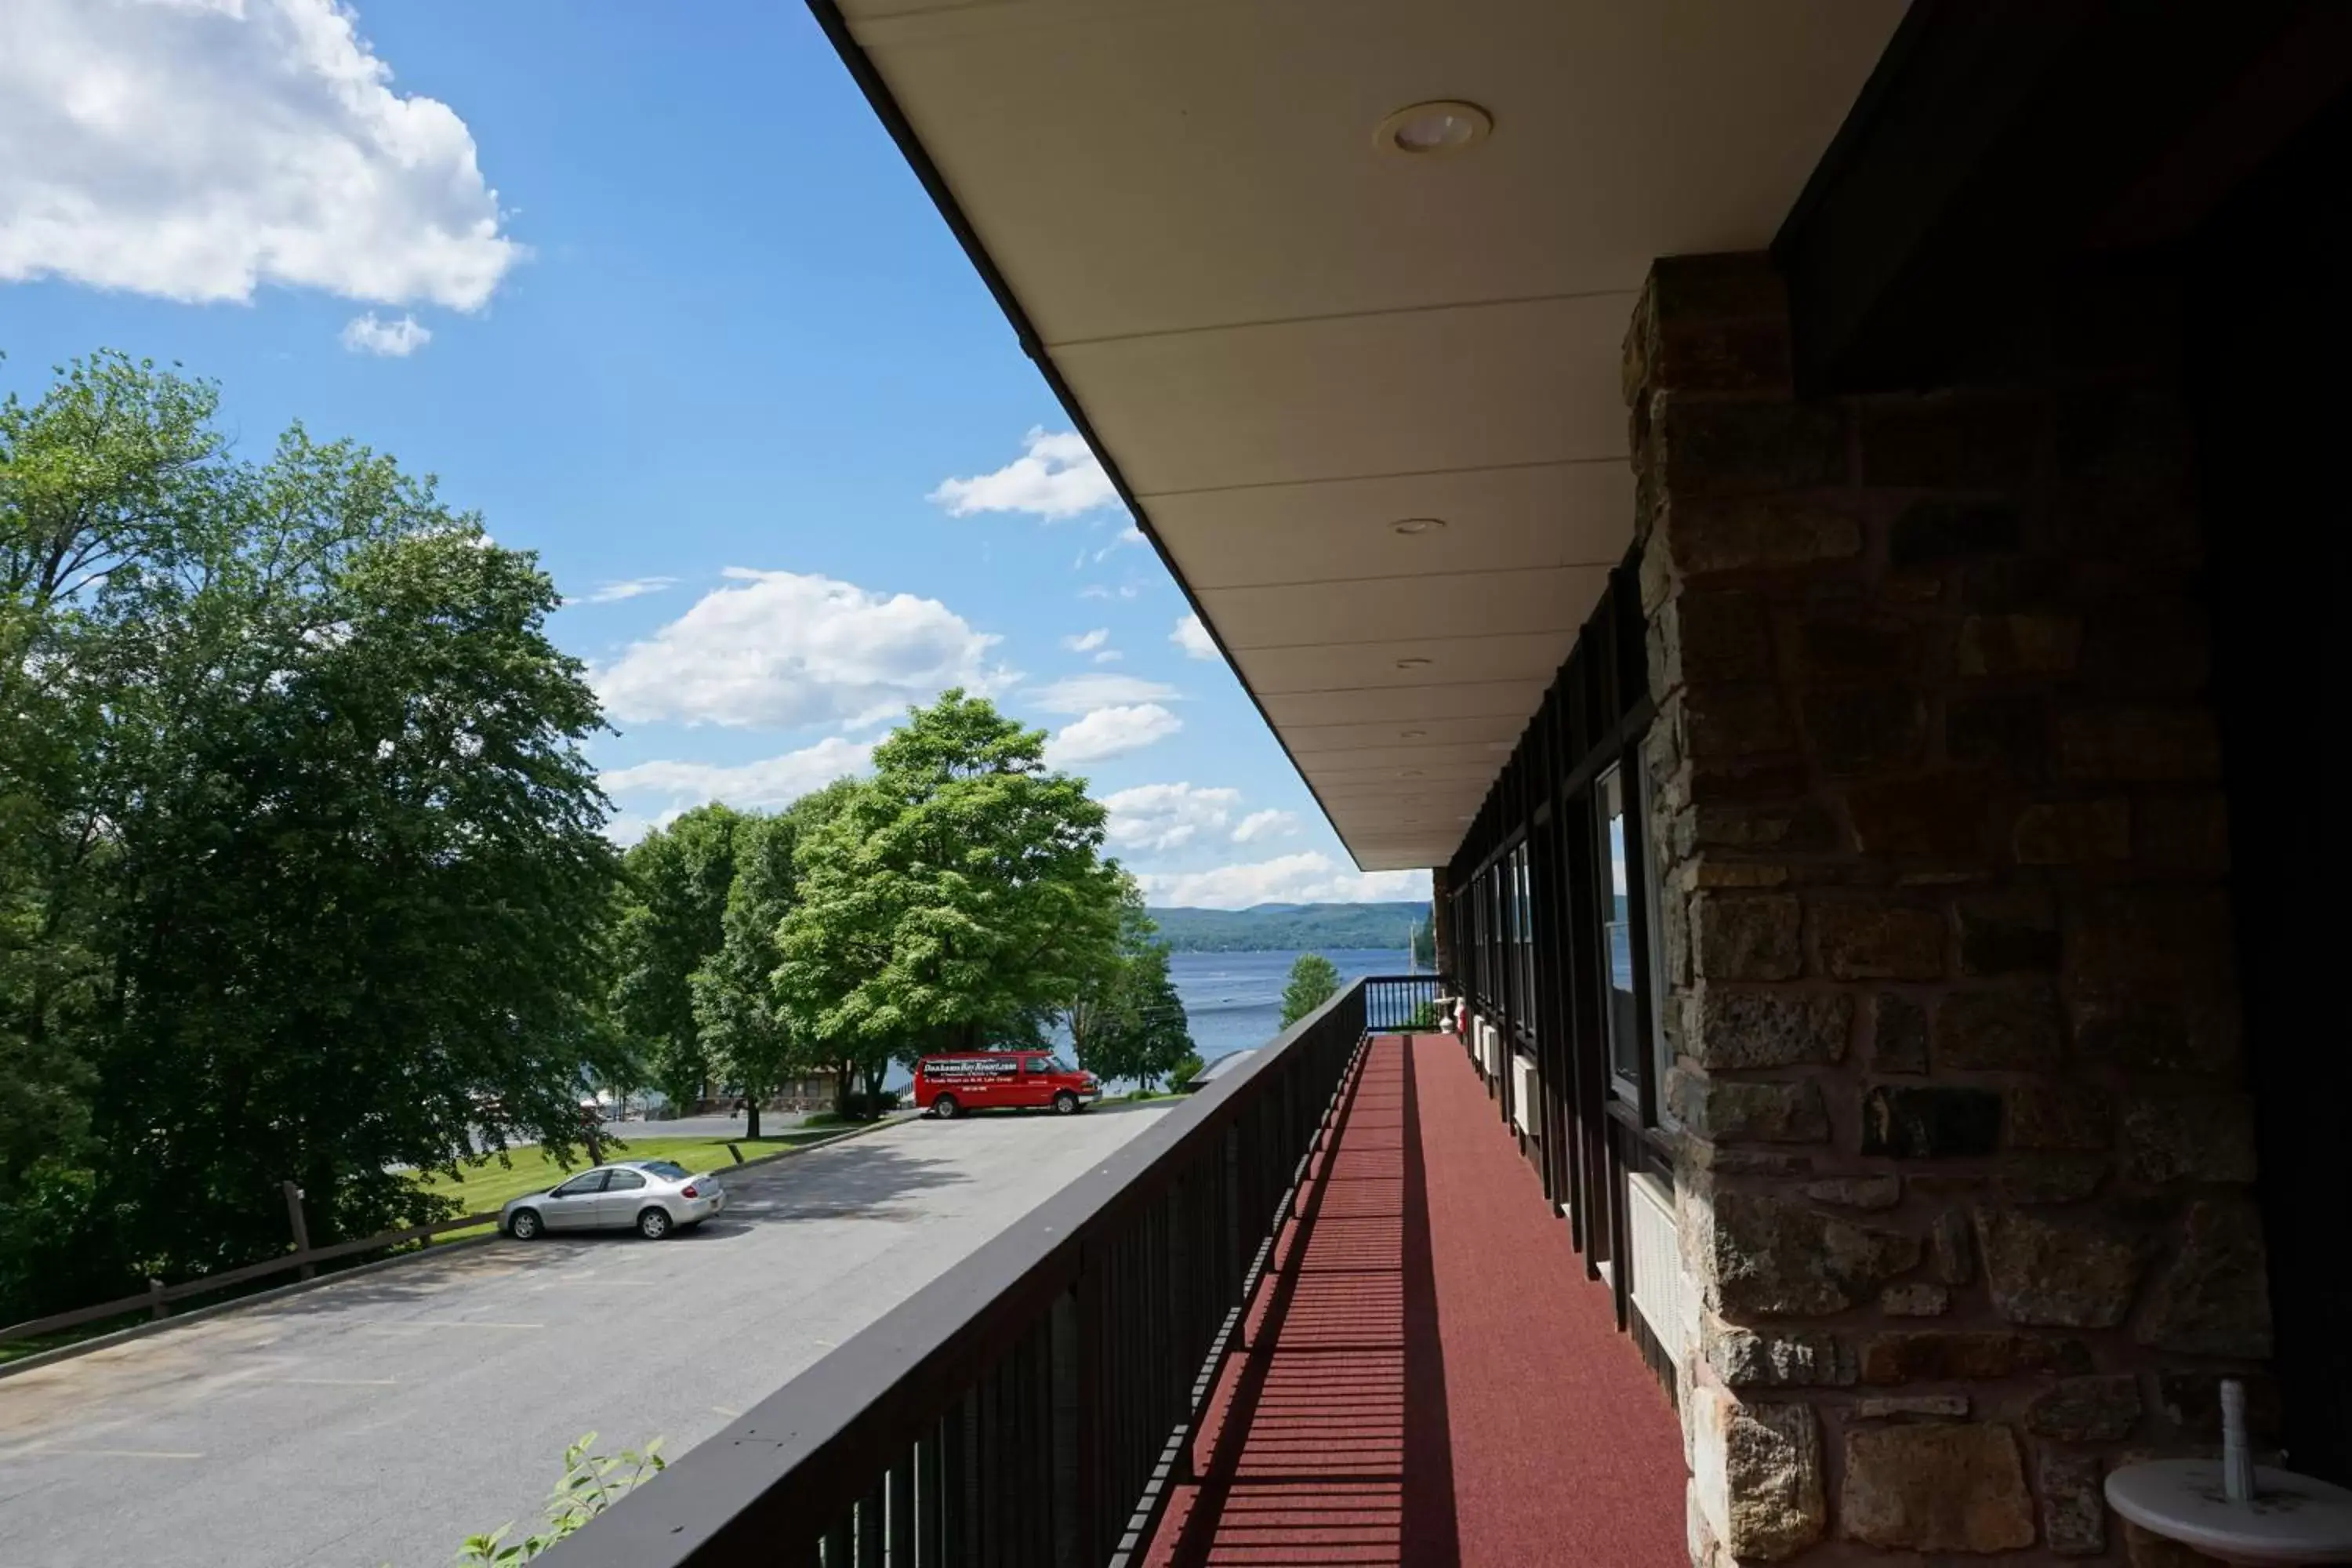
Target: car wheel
[946, 1108]
[1066, 1104]
[525, 1226]
[654, 1224]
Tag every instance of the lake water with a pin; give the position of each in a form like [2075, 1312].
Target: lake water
[1234, 1000]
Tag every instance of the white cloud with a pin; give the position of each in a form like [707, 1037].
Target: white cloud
[612, 593]
[1099, 591]
[763, 785]
[1086, 642]
[197, 149]
[784, 648]
[1081, 693]
[1304, 879]
[1194, 637]
[1126, 537]
[1167, 816]
[1260, 825]
[1057, 475]
[1109, 656]
[1110, 732]
[390, 339]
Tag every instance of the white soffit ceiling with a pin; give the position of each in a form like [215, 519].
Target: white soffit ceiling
[1286, 340]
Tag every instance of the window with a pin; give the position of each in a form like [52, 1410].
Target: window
[580, 1187]
[624, 1180]
[1624, 1022]
[1039, 1064]
[667, 1170]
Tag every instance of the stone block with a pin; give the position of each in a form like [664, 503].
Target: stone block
[1715, 636]
[2102, 1409]
[1915, 1298]
[2009, 932]
[1740, 1110]
[1749, 937]
[2052, 1115]
[1841, 645]
[2183, 832]
[1757, 1469]
[1707, 537]
[2018, 645]
[2147, 1038]
[2008, 1028]
[1857, 1191]
[2076, 1271]
[2072, 832]
[1767, 1256]
[2009, 733]
[1936, 532]
[2199, 1138]
[1858, 728]
[1863, 941]
[2073, 1505]
[2139, 745]
[1702, 447]
[1928, 1123]
[1952, 1248]
[1708, 324]
[1732, 1029]
[1764, 1358]
[2147, 644]
[1966, 1355]
[1716, 875]
[1899, 1404]
[1722, 722]
[2213, 1299]
[2146, 1549]
[1951, 441]
[1942, 814]
[1955, 1487]
[1801, 827]
[1898, 1035]
[2049, 1178]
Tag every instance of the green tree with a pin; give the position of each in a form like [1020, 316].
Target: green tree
[958, 895]
[1313, 982]
[751, 1041]
[302, 872]
[1126, 1020]
[672, 921]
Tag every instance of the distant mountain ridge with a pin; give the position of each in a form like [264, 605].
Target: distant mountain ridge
[1281, 927]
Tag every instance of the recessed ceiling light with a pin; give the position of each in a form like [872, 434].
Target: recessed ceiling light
[1414, 663]
[1413, 525]
[1411, 734]
[1434, 128]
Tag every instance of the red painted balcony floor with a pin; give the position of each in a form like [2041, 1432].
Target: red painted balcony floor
[1430, 1378]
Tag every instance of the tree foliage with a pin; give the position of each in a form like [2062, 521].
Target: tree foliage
[672, 921]
[1313, 982]
[1124, 1019]
[956, 897]
[303, 873]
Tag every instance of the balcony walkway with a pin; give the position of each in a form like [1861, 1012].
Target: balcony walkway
[1431, 1381]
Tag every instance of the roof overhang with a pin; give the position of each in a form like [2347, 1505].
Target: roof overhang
[1284, 339]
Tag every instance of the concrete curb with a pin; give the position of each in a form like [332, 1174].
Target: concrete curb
[279, 1292]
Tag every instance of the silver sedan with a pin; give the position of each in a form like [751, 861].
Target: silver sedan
[652, 1197]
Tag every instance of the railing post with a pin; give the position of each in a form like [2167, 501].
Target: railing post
[295, 1222]
[1074, 1503]
[154, 1297]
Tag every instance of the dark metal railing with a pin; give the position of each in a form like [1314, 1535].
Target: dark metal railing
[1032, 1404]
[1394, 1004]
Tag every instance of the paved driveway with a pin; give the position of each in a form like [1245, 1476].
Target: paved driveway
[381, 1420]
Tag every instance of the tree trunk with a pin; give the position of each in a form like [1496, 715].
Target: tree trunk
[752, 1117]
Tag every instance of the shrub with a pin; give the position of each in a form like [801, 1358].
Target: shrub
[1188, 1068]
[591, 1484]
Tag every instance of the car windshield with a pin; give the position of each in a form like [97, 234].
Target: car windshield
[667, 1170]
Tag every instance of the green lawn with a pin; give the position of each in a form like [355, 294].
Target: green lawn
[486, 1185]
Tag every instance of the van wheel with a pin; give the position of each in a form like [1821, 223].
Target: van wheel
[1066, 1104]
[525, 1226]
[946, 1108]
[654, 1224]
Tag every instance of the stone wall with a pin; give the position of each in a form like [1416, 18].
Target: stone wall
[1440, 927]
[1965, 1154]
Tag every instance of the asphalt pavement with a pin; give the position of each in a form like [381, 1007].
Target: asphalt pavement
[380, 1420]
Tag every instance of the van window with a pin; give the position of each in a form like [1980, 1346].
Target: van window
[1041, 1064]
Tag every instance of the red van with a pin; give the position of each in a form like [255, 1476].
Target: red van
[948, 1086]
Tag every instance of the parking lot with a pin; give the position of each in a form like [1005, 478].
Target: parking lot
[379, 1420]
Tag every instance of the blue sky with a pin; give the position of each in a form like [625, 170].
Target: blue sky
[649, 288]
